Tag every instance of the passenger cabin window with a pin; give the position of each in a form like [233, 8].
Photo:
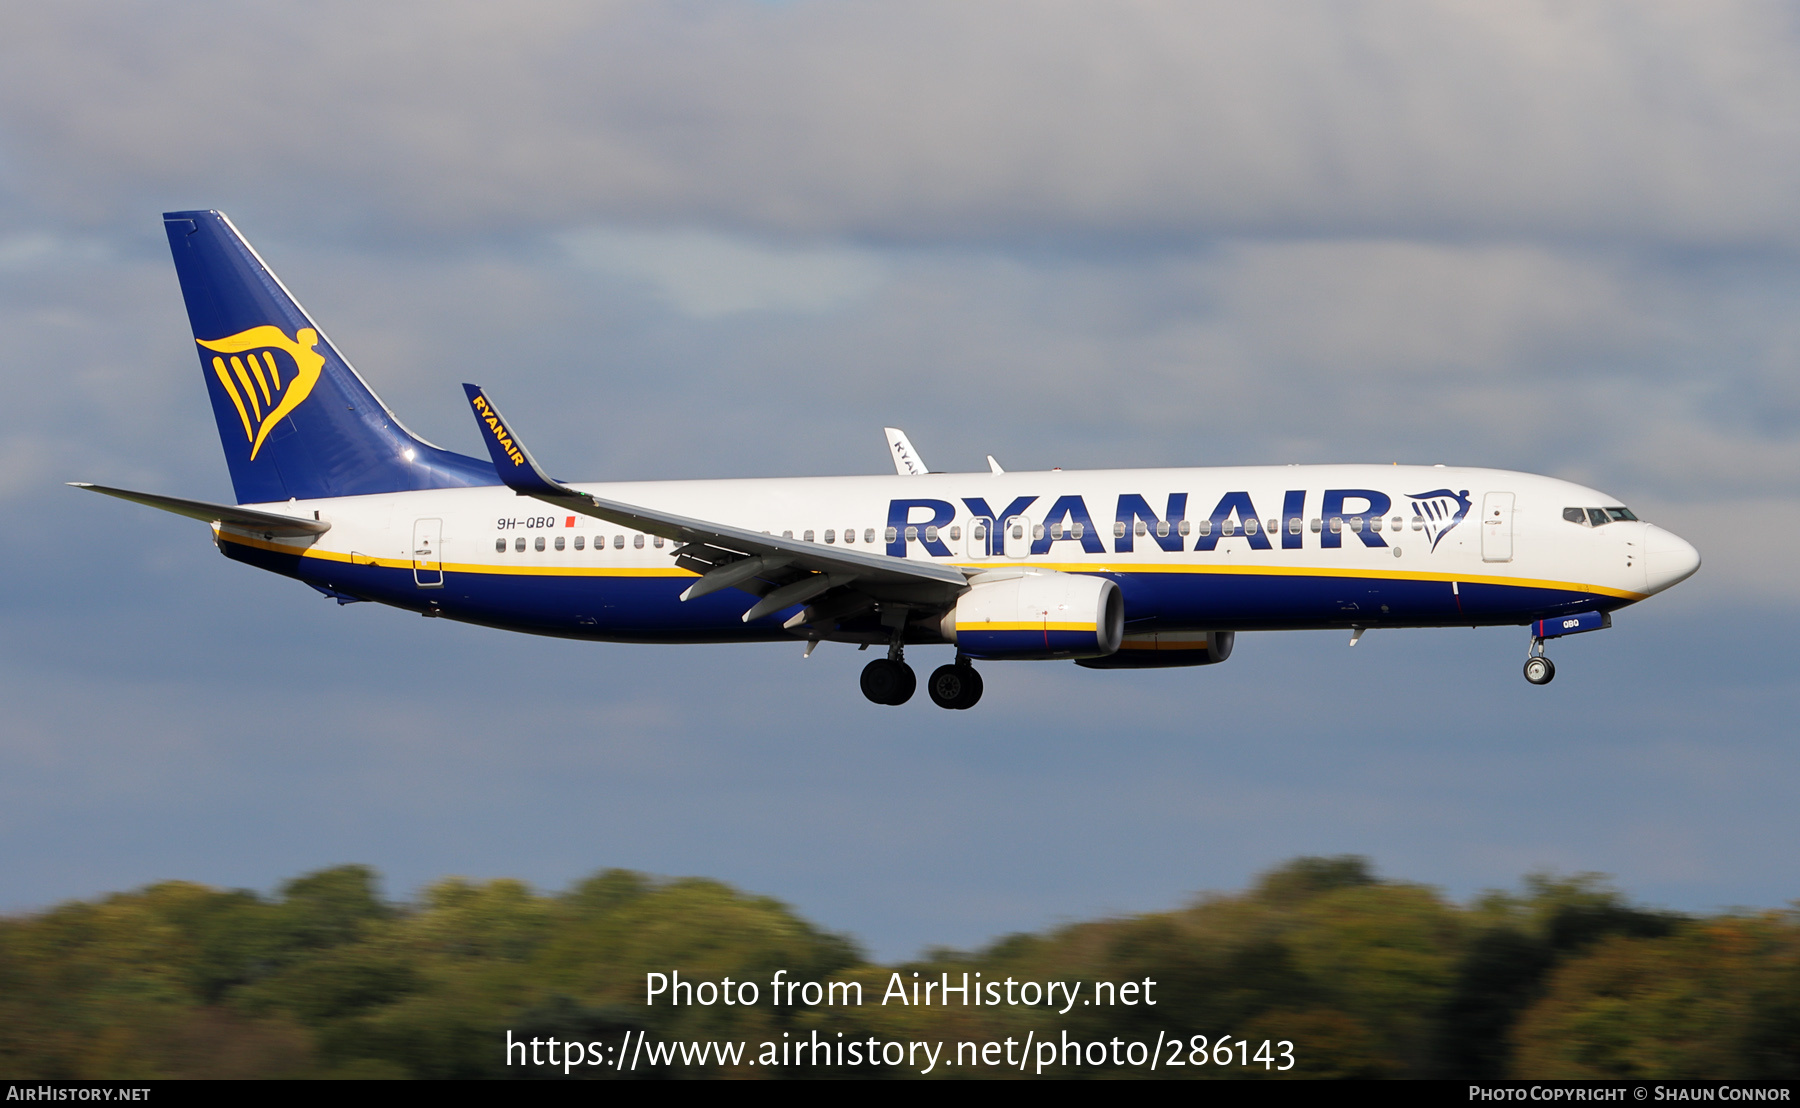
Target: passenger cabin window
[1375, 523]
[1078, 530]
[637, 541]
[1317, 526]
[830, 536]
[519, 544]
[658, 541]
[1293, 525]
[979, 532]
[1418, 523]
[1138, 529]
[955, 532]
[539, 544]
[1227, 527]
[808, 536]
[1251, 527]
[1394, 524]
[1356, 524]
[559, 542]
[1037, 532]
[850, 534]
[618, 542]
[1119, 529]
[1162, 529]
[912, 534]
[1337, 525]
[499, 546]
[931, 534]
[889, 535]
[1018, 530]
[787, 534]
[1183, 529]
[1056, 530]
[580, 541]
[1203, 528]
[869, 534]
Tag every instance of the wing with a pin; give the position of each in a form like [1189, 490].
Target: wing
[781, 572]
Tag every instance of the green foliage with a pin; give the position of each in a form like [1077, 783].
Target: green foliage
[1368, 977]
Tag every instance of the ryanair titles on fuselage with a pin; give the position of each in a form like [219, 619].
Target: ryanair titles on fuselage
[1363, 514]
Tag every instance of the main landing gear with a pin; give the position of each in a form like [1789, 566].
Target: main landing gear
[955, 686]
[890, 680]
[1539, 670]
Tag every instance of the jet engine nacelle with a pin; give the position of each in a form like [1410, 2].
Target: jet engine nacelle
[1167, 649]
[1038, 615]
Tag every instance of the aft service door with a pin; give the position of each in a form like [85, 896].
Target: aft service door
[428, 570]
[1497, 527]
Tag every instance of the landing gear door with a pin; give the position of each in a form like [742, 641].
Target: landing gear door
[981, 535]
[1497, 527]
[428, 568]
[1016, 537]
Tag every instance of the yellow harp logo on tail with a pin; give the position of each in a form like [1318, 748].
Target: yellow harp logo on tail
[254, 378]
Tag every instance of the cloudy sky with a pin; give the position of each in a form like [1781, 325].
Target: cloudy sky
[722, 239]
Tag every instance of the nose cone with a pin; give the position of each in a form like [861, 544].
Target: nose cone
[1669, 559]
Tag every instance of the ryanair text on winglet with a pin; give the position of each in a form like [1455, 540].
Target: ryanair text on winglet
[501, 435]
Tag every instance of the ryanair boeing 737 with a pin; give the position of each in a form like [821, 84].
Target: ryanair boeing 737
[1112, 569]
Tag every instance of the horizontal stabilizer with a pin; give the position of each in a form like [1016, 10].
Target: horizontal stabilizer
[248, 519]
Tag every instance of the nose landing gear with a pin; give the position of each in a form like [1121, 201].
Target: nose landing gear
[1539, 670]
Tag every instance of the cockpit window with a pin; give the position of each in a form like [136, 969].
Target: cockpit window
[1598, 517]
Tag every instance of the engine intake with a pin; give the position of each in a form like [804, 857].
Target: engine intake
[1038, 615]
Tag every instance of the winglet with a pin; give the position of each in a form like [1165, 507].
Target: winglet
[518, 469]
[994, 466]
[906, 460]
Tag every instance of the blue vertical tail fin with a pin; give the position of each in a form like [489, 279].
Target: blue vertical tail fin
[295, 419]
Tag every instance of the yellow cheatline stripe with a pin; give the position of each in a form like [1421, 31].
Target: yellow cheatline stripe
[274, 374]
[231, 390]
[362, 559]
[1039, 625]
[1315, 571]
[638, 571]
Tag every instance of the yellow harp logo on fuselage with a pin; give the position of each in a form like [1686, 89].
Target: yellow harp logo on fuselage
[254, 380]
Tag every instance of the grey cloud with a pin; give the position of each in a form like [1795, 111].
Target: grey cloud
[1133, 122]
[706, 274]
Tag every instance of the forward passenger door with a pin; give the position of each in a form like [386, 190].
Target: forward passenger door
[1497, 527]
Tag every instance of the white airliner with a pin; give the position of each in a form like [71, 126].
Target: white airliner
[1113, 569]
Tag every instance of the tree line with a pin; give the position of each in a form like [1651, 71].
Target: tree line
[1367, 977]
